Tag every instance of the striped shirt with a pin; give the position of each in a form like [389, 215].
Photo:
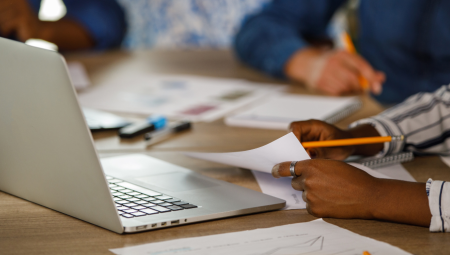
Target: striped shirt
[424, 120]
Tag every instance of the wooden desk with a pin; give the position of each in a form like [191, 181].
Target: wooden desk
[26, 228]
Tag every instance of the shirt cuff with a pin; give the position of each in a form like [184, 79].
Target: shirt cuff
[439, 200]
[385, 127]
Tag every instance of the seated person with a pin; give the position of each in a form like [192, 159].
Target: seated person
[185, 24]
[98, 24]
[403, 45]
[335, 189]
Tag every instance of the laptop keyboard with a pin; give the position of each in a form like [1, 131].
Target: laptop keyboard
[134, 201]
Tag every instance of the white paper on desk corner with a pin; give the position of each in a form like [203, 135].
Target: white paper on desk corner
[286, 148]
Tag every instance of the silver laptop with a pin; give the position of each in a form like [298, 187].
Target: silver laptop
[47, 157]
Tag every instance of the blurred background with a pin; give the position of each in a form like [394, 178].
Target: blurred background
[172, 23]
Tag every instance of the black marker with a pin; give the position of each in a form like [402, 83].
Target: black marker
[152, 123]
[158, 136]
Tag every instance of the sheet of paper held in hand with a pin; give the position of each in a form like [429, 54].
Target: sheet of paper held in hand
[286, 148]
[315, 237]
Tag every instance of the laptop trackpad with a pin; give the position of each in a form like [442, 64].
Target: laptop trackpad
[176, 181]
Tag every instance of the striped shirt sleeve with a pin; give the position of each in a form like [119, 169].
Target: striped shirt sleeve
[424, 121]
[439, 200]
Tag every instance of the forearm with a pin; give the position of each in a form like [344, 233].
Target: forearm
[66, 34]
[400, 201]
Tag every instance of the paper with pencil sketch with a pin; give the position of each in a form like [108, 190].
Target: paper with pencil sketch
[314, 237]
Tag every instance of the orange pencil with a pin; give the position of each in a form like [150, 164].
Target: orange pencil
[366, 253]
[352, 141]
[348, 45]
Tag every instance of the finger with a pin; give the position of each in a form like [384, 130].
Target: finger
[7, 14]
[377, 87]
[8, 27]
[318, 152]
[312, 152]
[332, 85]
[304, 130]
[6, 4]
[363, 68]
[350, 78]
[304, 196]
[283, 170]
[308, 208]
[296, 184]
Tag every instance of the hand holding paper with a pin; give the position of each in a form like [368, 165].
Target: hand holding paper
[333, 188]
[284, 149]
[261, 160]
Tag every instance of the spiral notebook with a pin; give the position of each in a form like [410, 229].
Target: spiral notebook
[279, 111]
[377, 162]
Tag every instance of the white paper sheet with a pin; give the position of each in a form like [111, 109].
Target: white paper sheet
[78, 75]
[280, 188]
[446, 160]
[315, 237]
[178, 97]
[286, 148]
[397, 172]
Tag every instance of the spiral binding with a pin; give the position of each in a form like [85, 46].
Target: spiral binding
[344, 113]
[388, 160]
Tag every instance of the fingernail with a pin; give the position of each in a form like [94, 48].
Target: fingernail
[275, 172]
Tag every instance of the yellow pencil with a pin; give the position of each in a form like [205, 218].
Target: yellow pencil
[348, 45]
[352, 141]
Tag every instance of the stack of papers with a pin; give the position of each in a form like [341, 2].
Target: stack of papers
[178, 97]
[280, 110]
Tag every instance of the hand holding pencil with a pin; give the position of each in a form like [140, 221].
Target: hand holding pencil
[334, 71]
[322, 140]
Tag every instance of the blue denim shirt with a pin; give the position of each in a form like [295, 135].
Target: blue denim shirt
[407, 39]
[103, 19]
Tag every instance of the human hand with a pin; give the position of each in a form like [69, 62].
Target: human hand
[338, 190]
[332, 188]
[18, 18]
[335, 72]
[316, 130]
